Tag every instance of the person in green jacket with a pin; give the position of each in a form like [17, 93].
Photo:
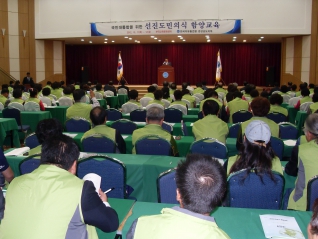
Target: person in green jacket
[55, 203]
[307, 164]
[313, 107]
[154, 119]
[151, 89]
[158, 94]
[210, 126]
[276, 101]
[201, 185]
[306, 98]
[236, 105]
[4, 97]
[198, 89]
[256, 152]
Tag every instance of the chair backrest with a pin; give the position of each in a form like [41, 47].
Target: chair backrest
[286, 98]
[16, 105]
[153, 145]
[29, 164]
[166, 187]
[187, 102]
[221, 95]
[12, 113]
[241, 116]
[234, 130]
[249, 191]
[128, 107]
[292, 94]
[166, 102]
[122, 91]
[288, 131]
[312, 192]
[197, 100]
[277, 117]
[305, 106]
[182, 108]
[112, 172]
[173, 115]
[98, 143]
[113, 114]
[293, 101]
[77, 125]
[168, 127]
[184, 128]
[31, 141]
[108, 93]
[1, 106]
[98, 95]
[278, 147]
[46, 100]
[138, 115]
[124, 126]
[65, 101]
[144, 101]
[199, 95]
[276, 92]
[31, 106]
[209, 146]
[155, 105]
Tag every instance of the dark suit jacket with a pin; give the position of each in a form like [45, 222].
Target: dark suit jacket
[27, 81]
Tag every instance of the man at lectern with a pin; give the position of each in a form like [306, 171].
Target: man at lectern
[166, 62]
[28, 80]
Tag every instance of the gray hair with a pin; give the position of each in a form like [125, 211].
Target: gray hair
[311, 124]
[155, 113]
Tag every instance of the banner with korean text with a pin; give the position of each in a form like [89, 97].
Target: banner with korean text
[166, 27]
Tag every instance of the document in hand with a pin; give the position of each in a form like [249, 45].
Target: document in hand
[277, 226]
[96, 179]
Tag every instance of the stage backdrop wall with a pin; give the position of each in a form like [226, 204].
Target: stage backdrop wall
[192, 62]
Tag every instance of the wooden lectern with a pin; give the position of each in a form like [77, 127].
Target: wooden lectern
[27, 87]
[165, 73]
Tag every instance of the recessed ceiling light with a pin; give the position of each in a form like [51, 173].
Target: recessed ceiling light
[234, 37]
[208, 40]
[207, 36]
[152, 36]
[82, 39]
[179, 36]
[159, 40]
[259, 39]
[172, 41]
[90, 42]
[113, 41]
[106, 39]
[138, 41]
[262, 37]
[244, 40]
[183, 40]
[155, 38]
[126, 37]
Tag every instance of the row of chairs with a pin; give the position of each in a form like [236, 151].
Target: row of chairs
[28, 106]
[244, 115]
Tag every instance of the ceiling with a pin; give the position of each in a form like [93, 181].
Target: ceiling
[195, 38]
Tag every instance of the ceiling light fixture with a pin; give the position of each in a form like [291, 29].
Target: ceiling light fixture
[244, 40]
[262, 37]
[90, 42]
[183, 40]
[113, 41]
[259, 39]
[82, 39]
[159, 40]
[106, 39]
[152, 36]
[130, 38]
[126, 37]
[155, 38]
[172, 41]
[234, 37]
[179, 36]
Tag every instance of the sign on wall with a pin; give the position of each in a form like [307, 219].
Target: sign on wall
[166, 27]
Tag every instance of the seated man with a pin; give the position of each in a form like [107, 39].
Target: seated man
[306, 98]
[188, 97]
[201, 184]
[98, 116]
[99, 89]
[210, 126]
[219, 88]
[276, 101]
[51, 197]
[57, 90]
[67, 92]
[198, 89]
[122, 85]
[151, 89]
[178, 96]
[133, 96]
[158, 94]
[210, 94]
[236, 105]
[4, 97]
[80, 108]
[110, 87]
[154, 119]
[313, 107]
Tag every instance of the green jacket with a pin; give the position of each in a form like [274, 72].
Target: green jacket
[151, 95]
[307, 168]
[198, 90]
[190, 98]
[156, 102]
[210, 126]
[211, 98]
[278, 109]
[235, 105]
[153, 129]
[179, 102]
[79, 110]
[314, 107]
[49, 197]
[181, 223]
[103, 130]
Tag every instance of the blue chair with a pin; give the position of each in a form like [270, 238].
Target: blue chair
[200, 115]
[241, 116]
[277, 117]
[312, 192]
[234, 130]
[153, 145]
[168, 127]
[113, 114]
[77, 125]
[98, 143]
[173, 115]
[31, 141]
[138, 115]
[112, 172]
[209, 146]
[184, 128]
[288, 130]
[124, 126]
[249, 191]
[278, 147]
[29, 164]
[166, 187]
